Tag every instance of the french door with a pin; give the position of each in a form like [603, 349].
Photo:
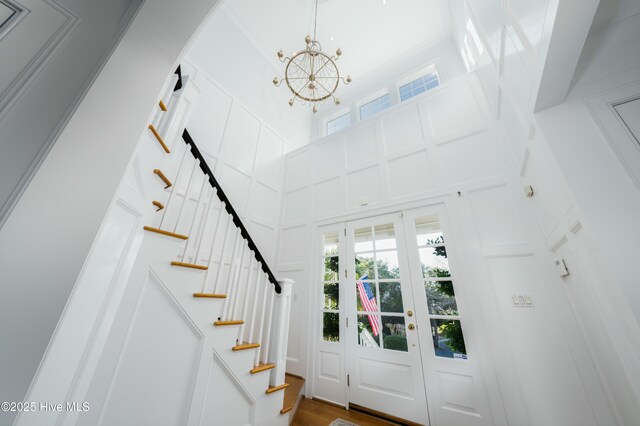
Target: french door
[454, 384]
[396, 330]
[383, 354]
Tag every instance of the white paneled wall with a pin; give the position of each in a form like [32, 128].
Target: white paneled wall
[444, 147]
[244, 153]
[228, 53]
[441, 53]
[572, 155]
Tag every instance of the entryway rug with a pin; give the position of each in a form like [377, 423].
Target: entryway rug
[341, 422]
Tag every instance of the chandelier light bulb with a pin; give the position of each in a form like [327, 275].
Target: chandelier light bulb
[280, 54]
[348, 79]
[314, 109]
[290, 102]
[336, 101]
[339, 52]
[275, 81]
[307, 39]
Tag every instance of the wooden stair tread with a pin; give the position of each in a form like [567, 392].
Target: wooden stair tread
[159, 139]
[262, 367]
[158, 204]
[273, 389]
[161, 175]
[189, 265]
[292, 392]
[286, 410]
[163, 232]
[230, 322]
[163, 107]
[210, 295]
[245, 346]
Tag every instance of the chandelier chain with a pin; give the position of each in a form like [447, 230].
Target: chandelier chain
[315, 22]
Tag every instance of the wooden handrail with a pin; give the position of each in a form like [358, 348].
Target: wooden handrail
[236, 219]
[163, 177]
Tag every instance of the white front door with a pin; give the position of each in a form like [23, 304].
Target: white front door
[383, 355]
[455, 388]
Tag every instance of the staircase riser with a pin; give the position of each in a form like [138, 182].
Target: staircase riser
[157, 251]
[182, 284]
[268, 407]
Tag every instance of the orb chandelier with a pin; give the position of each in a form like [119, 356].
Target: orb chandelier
[311, 75]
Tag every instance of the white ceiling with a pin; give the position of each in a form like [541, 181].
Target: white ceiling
[611, 11]
[370, 33]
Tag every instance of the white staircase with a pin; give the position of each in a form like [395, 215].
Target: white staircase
[205, 259]
[192, 328]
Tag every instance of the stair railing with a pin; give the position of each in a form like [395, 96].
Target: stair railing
[201, 162]
[253, 298]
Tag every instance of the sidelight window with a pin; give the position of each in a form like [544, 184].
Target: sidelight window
[330, 288]
[446, 330]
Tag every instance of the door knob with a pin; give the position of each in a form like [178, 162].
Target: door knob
[409, 313]
[411, 326]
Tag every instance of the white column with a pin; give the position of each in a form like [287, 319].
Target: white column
[280, 332]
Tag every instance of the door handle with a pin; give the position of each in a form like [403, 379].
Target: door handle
[411, 326]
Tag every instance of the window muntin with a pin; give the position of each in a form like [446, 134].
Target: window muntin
[330, 287]
[379, 300]
[444, 316]
[375, 106]
[338, 123]
[419, 85]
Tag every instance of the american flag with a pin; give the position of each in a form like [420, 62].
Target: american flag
[368, 300]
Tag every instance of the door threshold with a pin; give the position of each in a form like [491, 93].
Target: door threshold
[381, 415]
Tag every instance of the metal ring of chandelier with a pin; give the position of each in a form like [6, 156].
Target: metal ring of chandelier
[312, 75]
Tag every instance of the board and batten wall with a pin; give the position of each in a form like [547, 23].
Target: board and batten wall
[226, 51]
[445, 147]
[245, 154]
[442, 53]
[582, 163]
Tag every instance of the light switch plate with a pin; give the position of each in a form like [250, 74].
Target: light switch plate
[522, 301]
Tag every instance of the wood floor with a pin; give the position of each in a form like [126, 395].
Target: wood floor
[316, 413]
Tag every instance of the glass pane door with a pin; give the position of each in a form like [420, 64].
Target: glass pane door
[383, 355]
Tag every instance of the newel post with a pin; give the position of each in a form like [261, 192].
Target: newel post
[280, 332]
